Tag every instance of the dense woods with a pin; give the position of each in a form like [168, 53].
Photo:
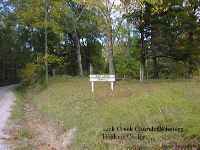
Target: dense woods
[140, 39]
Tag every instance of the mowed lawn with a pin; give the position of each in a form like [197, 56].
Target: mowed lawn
[152, 103]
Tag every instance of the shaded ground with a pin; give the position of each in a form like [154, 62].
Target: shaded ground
[36, 131]
[7, 99]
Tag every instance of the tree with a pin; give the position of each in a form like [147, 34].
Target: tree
[76, 13]
[46, 41]
[161, 26]
[105, 10]
[139, 16]
[39, 16]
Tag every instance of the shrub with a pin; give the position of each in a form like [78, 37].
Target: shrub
[128, 67]
[31, 73]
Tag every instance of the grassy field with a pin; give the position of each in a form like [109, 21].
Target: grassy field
[174, 104]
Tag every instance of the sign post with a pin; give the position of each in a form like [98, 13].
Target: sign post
[103, 78]
[92, 83]
[112, 86]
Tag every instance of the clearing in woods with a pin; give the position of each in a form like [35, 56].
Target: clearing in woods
[70, 103]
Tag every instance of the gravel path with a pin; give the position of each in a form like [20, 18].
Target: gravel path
[7, 99]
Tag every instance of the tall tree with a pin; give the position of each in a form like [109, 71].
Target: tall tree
[106, 10]
[46, 41]
[77, 11]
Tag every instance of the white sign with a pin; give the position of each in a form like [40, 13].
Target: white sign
[105, 78]
[102, 77]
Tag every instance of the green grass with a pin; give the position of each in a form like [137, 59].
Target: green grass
[18, 108]
[153, 103]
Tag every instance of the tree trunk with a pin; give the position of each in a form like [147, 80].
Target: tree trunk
[155, 66]
[110, 50]
[142, 57]
[46, 44]
[91, 69]
[78, 53]
[155, 46]
[129, 42]
[190, 69]
[146, 67]
[141, 72]
[53, 72]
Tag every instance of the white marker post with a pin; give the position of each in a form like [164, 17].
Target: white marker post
[103, 78]
[92, 83]
[112, 86]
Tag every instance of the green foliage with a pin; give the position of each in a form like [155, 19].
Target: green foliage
[55, 60]
[31, 73]
[127, 59]
[171, 35]
[126, 67]
[94, 56]
[56, 64]
[171, 69]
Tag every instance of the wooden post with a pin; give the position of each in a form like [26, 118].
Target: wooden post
[92, 83]
[112, 86]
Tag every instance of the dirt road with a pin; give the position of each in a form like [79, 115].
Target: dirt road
[7, 99]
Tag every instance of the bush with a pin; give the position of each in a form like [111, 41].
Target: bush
[31, 73]
[126, 67]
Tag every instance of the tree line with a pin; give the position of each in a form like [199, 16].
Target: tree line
[141, 39]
